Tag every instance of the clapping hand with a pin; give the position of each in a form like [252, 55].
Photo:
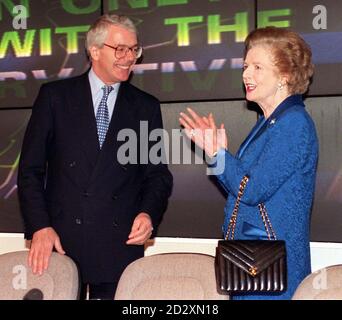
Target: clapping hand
[204, 132]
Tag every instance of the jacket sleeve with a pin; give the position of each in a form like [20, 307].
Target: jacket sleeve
[33, 165]
[289, 145]
[158, 181]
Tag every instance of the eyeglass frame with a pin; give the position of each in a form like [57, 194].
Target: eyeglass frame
[126, 51]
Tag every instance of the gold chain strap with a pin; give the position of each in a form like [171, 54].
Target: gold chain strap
[232, 221]
[267, 222]
[262, 210]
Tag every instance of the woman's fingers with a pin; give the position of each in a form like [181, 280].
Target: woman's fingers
[189, 131]
[184, 123]
[206, 120]
[203, 131]
[222, 140]
[196, 118]
[212, 123]
[190, 123]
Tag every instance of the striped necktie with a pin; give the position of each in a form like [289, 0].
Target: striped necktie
[102, 115]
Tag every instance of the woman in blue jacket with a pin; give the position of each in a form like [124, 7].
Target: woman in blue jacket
[280, 153]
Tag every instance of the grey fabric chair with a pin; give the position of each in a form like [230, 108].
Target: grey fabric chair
[324, 284]
[59, 282]
[170, 276]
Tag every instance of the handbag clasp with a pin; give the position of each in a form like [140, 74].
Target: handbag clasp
[253, 271]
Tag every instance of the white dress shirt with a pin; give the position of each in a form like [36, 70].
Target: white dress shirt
[96, 92]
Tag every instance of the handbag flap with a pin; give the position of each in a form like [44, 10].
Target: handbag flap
[253, 256]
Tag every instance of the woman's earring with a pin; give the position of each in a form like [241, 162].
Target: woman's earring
[280, 86]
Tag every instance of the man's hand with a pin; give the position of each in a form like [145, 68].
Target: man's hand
[141, 229]
[43, 242]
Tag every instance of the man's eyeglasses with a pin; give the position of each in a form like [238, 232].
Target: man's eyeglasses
[121, 51]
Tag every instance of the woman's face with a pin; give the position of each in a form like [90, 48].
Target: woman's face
[261, 78]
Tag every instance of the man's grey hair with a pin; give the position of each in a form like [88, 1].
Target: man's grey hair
[97, 33]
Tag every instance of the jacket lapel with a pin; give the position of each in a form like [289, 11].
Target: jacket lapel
[263, 123]
[82, 113]
[259, 128]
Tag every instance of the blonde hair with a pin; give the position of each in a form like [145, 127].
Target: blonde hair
[291, 55]
[97, 33]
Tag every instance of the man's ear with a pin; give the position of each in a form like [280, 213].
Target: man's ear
[94, 53]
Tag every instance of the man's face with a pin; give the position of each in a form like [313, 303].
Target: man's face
[104, 62]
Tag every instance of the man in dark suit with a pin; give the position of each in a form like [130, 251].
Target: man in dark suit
[76, 195]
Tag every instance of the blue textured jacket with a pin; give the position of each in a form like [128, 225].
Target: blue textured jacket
[280, 158]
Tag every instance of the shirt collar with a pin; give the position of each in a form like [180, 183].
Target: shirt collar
[293, 100]
[96, 83]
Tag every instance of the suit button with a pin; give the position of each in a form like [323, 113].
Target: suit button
[114, 197]
[86, 194]
[78, 221]
[72, 164]
[115, 224]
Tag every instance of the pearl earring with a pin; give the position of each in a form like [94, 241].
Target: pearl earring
[280, 86]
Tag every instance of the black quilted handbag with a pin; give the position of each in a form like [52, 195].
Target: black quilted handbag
[248, 266]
